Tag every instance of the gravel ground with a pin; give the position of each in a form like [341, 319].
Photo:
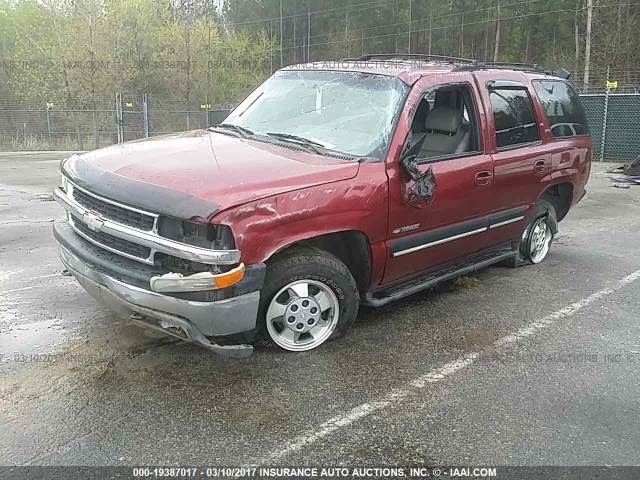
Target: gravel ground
[532, 366]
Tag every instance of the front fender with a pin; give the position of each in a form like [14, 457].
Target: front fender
[266, 226]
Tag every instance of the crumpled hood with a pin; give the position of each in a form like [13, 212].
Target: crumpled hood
[199, 173]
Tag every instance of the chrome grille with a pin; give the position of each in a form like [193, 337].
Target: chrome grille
[113, 211]
[115, 244]
[129, 231]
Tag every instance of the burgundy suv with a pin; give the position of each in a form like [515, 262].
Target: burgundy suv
[332, 185]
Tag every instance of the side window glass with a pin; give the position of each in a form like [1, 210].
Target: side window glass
[562, 108]
[446, 121]
[514, 118]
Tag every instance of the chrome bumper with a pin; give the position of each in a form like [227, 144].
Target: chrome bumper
[148, 239]
[188, 320]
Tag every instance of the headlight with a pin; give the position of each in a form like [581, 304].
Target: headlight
[64, 184]
[217, 237]
[197, 282]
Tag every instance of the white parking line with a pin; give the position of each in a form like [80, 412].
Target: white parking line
[31, 287]
[51, 275]
[7, 292]
[4, 281]
[436, 375]
[5, 276]
[22, 222]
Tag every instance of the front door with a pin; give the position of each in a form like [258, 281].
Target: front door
[449, 222]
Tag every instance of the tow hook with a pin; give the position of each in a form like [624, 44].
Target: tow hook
[167, 326]
[174, 329]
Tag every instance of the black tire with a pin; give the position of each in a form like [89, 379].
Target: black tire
[307, 263]
[543, 210]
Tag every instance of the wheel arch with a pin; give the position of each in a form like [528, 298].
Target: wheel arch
[560, 195]
[351, 247]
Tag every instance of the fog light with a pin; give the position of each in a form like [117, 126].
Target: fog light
[198, 282]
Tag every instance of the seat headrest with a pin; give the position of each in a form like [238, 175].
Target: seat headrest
[421, 115]
[443, 118]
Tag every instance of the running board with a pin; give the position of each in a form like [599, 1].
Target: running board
[382, 297]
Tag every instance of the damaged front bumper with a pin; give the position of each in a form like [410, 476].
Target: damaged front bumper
[124, 287]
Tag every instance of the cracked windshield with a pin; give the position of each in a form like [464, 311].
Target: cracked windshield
[346, 112]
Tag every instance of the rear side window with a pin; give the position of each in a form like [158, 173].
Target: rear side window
[513, 116]
[562, 107]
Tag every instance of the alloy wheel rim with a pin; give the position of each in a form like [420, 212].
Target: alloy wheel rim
[302, 315]
[540, 240]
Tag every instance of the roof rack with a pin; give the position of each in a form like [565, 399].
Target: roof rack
[463, 63]
[410, 56]
[525, 67]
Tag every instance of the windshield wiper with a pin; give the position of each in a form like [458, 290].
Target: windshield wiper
[242, 131]
[288, 137]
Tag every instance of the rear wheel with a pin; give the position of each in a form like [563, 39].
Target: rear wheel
[537, 238]
[309, 297]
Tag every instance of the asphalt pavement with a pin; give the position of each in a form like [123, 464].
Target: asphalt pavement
[538, 365]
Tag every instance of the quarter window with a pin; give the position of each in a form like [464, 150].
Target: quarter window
[513, 115]
[562, 107]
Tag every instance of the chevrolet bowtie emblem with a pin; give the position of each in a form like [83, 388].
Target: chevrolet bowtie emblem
[92, 221]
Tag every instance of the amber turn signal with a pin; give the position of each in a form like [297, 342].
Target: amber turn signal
[229, 278]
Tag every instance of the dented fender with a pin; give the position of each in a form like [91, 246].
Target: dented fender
[264, 227]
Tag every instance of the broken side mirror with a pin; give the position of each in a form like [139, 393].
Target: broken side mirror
[408, 159]
[418, 189]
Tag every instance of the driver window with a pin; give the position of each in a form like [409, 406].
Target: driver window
[446, 118]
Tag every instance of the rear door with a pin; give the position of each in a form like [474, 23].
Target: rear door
[521, 156]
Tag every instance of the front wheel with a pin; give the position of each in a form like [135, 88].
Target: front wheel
[309, 297]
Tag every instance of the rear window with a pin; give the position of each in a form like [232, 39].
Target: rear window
[562, 107]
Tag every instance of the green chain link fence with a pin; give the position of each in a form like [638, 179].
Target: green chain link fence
[614, 120]
[40, 125]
